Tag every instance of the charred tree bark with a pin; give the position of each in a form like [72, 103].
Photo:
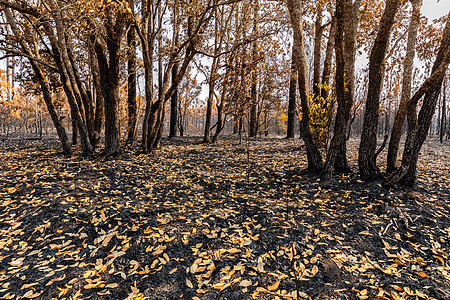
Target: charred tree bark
[367, 148]
[325, 89]
[74, 130]
[174, 106]
[109, 67]
[345, 48]
[314, 157]
[317, 51]
[253, 130]
[418, 127]
[209, 104]
[174, 98]
[221, 117]
[99, 113]
[63, 62]
[45, 87]
[292, 103]
[443, 114]
[131, 97]
[399, 120]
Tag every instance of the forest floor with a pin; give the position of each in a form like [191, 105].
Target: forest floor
[194, 221]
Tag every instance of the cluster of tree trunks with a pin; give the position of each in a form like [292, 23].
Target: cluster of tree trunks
[419, 125]
[315, 163]
[96, 105]
[342, 36]
[367, 148]
[408, 64]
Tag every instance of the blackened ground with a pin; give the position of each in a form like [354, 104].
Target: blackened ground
[194, 220]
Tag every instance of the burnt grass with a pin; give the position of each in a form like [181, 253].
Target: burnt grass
[193, 221]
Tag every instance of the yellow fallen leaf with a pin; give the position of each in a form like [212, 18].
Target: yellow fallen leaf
[245, 283]
[194, 268]
[102, 216]
[260, 265]
[274, 286]
[166, 257]
[422, 274]
[111, 285]
[17, 262]
[28, 294]
[173, 271]
[396, 287]
[440, 259]
[89, 286]
[189, 283]
[218, 285]
[107, 239]
[314, 270]
[34, 295]
[233, 250]
[247, 242]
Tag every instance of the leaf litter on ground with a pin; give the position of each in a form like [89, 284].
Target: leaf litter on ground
[194, 221]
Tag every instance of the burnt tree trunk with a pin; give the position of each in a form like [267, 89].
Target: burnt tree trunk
[174, 98]
[314, 157]
[443, 114]
[367, 148]
[345, 48]
[131, 97]
[325, 88]
[418, 127]
[253, 128]
[317, 51]
[174, 106]
[45, 87]
[209, 105]
[399, 121]
[109, 79]
[99, 112]
[292, 103]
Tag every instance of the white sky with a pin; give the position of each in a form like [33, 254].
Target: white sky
[433, 9]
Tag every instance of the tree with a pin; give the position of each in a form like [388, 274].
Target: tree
[45, 86]
[418, 126]
[253, 120]
[443, 112]
[53, 30]
[400, 116]
[131, 97]
[367, 148]
[174, 98]
[345, 48]
[314, 157]
[292, 105]
[107, 49]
